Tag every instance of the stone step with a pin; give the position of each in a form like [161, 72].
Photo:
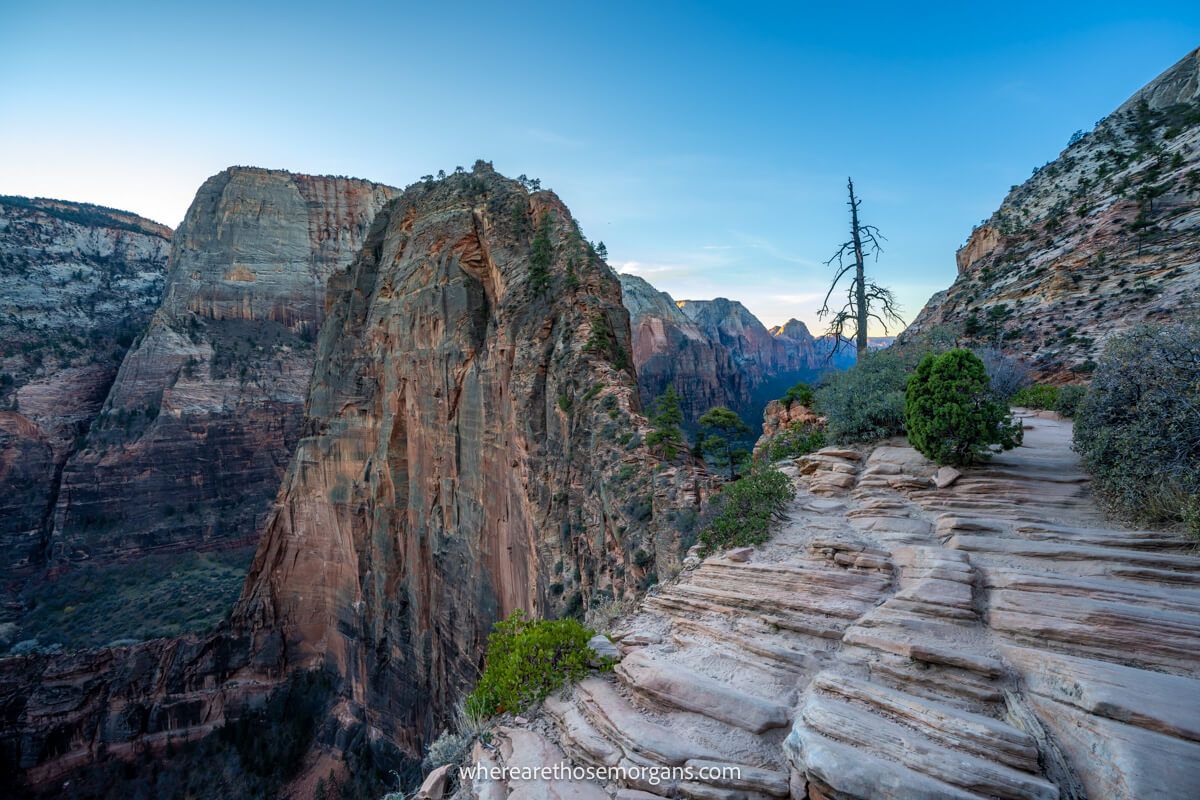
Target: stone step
[869, 732]
[679, 687]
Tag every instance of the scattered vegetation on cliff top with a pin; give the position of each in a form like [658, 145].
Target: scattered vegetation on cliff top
[1138, 427]
[157, 595]
[798, 439]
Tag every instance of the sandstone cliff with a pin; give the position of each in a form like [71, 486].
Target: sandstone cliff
[715, 352]
[472, 445]
[197, 430]
[669, 349]
[472, 448]
[77, 283]
[1100, 239]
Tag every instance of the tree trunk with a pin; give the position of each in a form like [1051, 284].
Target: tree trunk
[860, 282]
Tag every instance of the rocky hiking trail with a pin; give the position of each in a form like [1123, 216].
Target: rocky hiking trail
[996, 638]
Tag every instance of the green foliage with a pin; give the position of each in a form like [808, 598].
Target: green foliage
[1138, 427]
[866, 402]
[951, 414]
[666, 417]
[564, 403]
[720, 432]
[527, 660]
[801, 393]
[796, 440]
[541, 255]
[743, 511]
[1040, 396]
[158, 595]
[603, 340]
[1069, 400]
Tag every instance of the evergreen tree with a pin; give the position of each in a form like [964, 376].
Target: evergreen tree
[721, 430]
[951, 413]
[666, 417]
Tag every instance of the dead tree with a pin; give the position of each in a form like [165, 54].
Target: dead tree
[865, 299]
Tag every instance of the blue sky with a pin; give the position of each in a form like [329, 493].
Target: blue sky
[706, 144]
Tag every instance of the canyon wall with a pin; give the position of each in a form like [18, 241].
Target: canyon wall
[199, 425]
[77, 283]
[716, 353]
[1100, 239]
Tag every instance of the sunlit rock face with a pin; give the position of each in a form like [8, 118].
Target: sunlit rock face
[199, 425]
[77, 283]
[472, 447]
[1100, 239]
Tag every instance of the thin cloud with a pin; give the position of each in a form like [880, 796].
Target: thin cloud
[550, 137]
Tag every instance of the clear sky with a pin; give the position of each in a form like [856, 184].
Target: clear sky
[706, 144]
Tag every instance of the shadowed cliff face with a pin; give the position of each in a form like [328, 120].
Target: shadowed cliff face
[78, 282]
[466, 430]
[1100, 239]
[196, 432]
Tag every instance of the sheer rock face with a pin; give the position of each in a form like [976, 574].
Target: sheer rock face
[671, 350]
[716, 353]
[197, 430]
[77, 282]
[468, 451]
[1095, 242]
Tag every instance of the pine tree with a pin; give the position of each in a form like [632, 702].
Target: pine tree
[667, 436]
[721, 430]
[541, 256]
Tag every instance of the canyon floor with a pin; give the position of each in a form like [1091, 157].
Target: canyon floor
[995, 638]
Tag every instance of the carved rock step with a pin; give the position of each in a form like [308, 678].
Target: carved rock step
[679, 687]
[1061, 551]
[947, 759]
[604, 729]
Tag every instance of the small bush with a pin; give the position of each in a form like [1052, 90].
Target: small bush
[526, 661]
[1138, 427]
[951, 413]
[1006, 374]
[797, 440]
[801, 393]
[1038, 396]
[866, 402]
[1069, 400]
[449, 748]
[744, 510]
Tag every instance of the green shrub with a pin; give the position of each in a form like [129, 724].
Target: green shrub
[951, 413]
[743, 511]
[1039, 396]
[866, 402]
[1069, 400]
[1138, 427]
[801, 393]
[796, 440]
[527, 660]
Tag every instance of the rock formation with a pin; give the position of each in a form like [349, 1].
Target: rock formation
[716, 353]
[472, 445]
[78, 283]
[1098, 240]
[994, 638]
[669, 349]
[197, 430]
